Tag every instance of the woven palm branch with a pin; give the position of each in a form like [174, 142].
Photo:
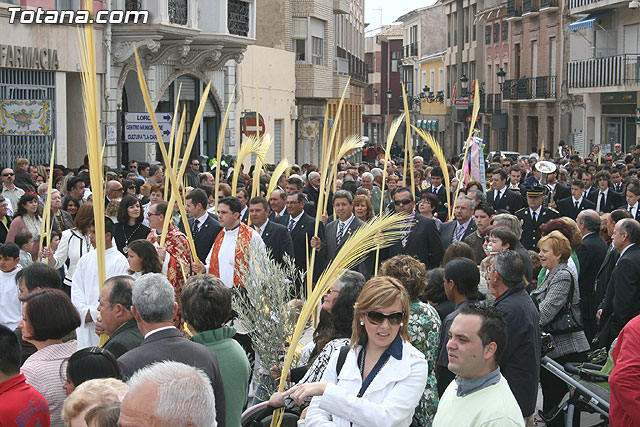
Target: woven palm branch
[439, 154]
[266, 143]
[408, 147]
[351, 143]
[253, 145]
[282, 168]
[223, 127]
[381, 231]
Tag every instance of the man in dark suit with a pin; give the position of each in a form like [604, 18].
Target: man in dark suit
[278, 206]
[421, 238]
[338, 231]
[301, 227]
[501, 197]
[154, 307]
[590, 254]
[590, 189]
[437, 187]
[617, 183]
[622, 301]
[632, 195]
[572, 206]
[204, 228]
[243, 195]
[275, 236]
[533, 216]
[605, 199]
[296, 185]
[116, 319]
[462, 226]
[312, 191]
[113, 190]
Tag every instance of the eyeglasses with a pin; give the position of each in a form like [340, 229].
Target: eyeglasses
[8, 174]
[195, 164]
[117, 189]
[153, 214]
[377, 318]
[402, 202]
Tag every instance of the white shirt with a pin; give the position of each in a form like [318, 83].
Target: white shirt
[531, 211]
[634, 210]
[579, 201]
[158, 330]
[499, 193]
[295, 220]
[10, 306]
[85, 290]
[227, 254]
[260, 229]
[201, 219]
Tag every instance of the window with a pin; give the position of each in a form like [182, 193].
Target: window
[317, 41]
[396, 55]
[424, 79]
[440, 79]
[496, 32]
[299, 34]
[277, 140]
[552, 56]
[432, 80]
[317, 52]
[505, 31]
[474, 11]
[487, 35]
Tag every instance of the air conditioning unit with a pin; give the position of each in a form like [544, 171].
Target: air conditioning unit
[293, 112]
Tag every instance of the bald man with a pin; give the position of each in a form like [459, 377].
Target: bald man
[591, 255]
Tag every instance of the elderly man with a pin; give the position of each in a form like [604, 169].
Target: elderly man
[480, 395]
[154, 307]
[622, 300]
[9, 190]
[312, 190]
[278, 206]
[462, 226]
[113, 191]
[206, 178]
[520, 364]
[376, 193]
[169, 394]
[591, 253]
[116, 319]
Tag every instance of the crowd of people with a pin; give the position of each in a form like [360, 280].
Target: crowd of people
[445, 330]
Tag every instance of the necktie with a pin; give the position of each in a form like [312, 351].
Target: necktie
[278, 215]
[533, 216]
[341, 228]
[577, 205]
[497, 196]
[601, 203]
[196, 227]
[292, 224]
[457, 235]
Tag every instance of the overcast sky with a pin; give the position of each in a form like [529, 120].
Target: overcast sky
[391, 10]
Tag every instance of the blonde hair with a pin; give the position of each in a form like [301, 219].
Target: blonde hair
[379, 293]
[92, 392]
[559, 244]
[576, 235]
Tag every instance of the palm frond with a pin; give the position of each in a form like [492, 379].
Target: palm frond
[223, 128]
[439, 154]
[265, 142]
[252, 145]
[408, 153]
[282, 168]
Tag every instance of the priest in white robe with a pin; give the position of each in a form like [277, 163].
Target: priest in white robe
[85, 286]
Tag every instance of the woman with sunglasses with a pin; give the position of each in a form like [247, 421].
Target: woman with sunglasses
[383, 376]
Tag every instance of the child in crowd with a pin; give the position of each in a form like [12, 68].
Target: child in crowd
[24, 240]
[11, 312]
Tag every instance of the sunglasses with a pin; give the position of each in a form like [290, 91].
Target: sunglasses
[377, 318]
[402, 202]
[8, 174]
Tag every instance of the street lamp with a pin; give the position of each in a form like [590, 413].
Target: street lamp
[389, 95]
[464, 83]
[427, 94]
[501, 75]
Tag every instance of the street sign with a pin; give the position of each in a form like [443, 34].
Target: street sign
[138, 127]
[249, 127]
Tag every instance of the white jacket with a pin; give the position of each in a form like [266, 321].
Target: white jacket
[390, 399]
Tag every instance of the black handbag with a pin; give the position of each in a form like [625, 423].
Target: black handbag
[568, 319]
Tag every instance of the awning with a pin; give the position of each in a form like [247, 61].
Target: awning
[586, 22]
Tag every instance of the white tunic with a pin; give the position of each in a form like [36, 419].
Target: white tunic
[227, 254]
[10, 306]
[85, 290]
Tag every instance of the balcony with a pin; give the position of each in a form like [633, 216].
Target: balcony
[410, 50]
[590, 6]
[600, 73]
[530, 89]
[489, 104]
[514, 10]
[357, 69]
[530, 7]
[341, 6]
[548, 5]
[497, 103]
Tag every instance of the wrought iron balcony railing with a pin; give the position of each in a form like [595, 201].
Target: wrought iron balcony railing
[543, 87]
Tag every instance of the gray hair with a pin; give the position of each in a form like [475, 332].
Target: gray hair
[509, 266]
[632, 228]
[42, 187]
[184, 393]
[343, 194]
[367, 175]
[153, 297]
[376, 172]
[418, 158]
[472, 202]
[590, 220]
[350, 277]
[509, 221]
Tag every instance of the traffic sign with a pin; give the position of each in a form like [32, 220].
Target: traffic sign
[138, 127]
[249, 127]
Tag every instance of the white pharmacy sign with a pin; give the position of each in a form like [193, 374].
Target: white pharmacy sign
[138, 127]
